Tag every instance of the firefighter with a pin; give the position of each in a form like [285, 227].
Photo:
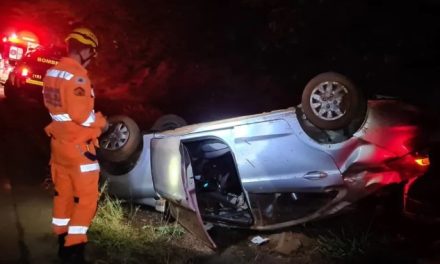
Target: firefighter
[75, 127]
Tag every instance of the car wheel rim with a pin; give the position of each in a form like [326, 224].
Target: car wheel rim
[117, 138]
[327, 100]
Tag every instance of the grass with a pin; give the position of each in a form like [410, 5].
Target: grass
[114, 233]
[344, 245]
[121, 238]
[351, 242]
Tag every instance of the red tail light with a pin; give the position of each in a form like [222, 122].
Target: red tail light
[411, 165]
[422, 161]
[25, 72]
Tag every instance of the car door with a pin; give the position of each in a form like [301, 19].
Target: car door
[174, 181]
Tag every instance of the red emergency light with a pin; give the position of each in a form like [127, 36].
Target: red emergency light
[13, 38]
[24, 72]
[21, 37]
[29, 39]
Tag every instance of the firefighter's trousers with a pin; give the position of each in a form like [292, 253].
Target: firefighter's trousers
[75, 199]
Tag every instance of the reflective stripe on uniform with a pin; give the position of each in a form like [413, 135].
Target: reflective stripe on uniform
[90, 119]
[61, 117]
[66, 117]
[60, 221]
[89, 167]
[59, 74]
[77, 230]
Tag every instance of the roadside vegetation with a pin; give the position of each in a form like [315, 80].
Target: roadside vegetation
[118, 239]
[348, 246]
[123, 233]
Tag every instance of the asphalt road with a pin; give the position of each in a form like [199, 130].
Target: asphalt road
[24, 202]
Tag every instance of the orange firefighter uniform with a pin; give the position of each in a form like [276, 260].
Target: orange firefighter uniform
[74, 130]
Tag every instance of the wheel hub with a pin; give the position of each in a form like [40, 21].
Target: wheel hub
[327, 100]
[117, 138]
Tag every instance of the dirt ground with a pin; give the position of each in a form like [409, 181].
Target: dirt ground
[235, 246]
[371, 232]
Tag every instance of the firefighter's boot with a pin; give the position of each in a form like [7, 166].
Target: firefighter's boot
[62, 254]
[75, 254]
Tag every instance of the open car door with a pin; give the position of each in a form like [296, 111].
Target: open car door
[174, 181]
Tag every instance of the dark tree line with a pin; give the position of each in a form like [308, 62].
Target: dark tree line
[249, 55]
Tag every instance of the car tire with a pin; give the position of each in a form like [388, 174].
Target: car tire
[330, 101]
[168, 122]
[122, 140]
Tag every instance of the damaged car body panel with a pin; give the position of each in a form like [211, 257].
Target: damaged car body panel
[137, 184]
[265, 172]
[174, 181]
[274, 170]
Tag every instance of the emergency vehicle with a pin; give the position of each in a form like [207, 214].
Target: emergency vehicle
[12, 49]
[26, 79]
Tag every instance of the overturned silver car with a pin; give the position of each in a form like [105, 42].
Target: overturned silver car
[269, 170]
